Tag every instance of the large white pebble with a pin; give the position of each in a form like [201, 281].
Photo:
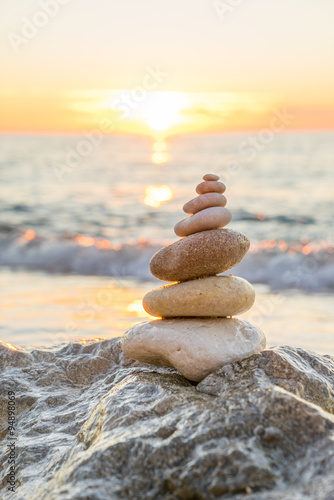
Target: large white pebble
[195, 347]
[209, 218]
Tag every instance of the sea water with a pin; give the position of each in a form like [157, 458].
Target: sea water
[80, 221]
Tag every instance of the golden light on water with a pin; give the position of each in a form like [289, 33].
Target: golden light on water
[159, 158]
[304, 246]
[282, 245]
[90, 341]
[103, 244]
[307, 249]
[159, 146]
[85, 241]
[137, 307]
[13, 348]
[155, 195]
[29, 235]
[159, 155]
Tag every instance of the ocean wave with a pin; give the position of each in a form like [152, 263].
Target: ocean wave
[244, 215]
[302, 265]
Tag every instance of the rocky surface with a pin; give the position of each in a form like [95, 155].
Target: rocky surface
[93, 425]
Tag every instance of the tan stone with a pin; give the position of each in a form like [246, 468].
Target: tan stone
[218, 296]
[210, 187]
[211, 177]
[195, 347]
[209, 218]
[203, 201]
[202, 254]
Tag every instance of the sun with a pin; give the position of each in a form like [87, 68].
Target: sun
[162, 110]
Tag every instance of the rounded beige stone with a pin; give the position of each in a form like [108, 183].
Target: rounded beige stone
[211, 177]
[209, 218]
[195, 347]
[210, 187]
[216, 296]
[202, 254]
[204, 201]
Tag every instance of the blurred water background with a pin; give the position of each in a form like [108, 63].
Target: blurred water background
[81, 219]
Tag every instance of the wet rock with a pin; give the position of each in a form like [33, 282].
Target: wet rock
[258, 429]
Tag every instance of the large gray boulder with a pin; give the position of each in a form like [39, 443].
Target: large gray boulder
[94, 425]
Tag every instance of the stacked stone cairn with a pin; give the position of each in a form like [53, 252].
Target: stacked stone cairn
[196, 332]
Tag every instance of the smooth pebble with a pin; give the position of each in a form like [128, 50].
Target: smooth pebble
[195, 347]
[210, 187]
[209, 218]
[204, 201]
[201, 254]
[218, 296]
[211, 177]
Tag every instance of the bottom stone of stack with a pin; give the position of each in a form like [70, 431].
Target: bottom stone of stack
[194, 346]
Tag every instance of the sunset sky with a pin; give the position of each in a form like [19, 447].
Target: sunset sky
[165, 66]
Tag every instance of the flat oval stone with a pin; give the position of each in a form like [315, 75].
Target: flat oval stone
[204, 201]
[211, 177]
[210, 187]
[209, 218]
[201, 254]
[195, 347]
[218, 296]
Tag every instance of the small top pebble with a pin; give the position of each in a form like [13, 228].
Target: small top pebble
[210, 177]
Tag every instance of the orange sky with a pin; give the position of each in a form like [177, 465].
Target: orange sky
[173, 66]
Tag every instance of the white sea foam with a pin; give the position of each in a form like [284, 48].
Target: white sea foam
[305, 267]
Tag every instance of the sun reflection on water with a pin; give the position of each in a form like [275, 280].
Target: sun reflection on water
[159, 155]
[10, 346]
[155, 195]
[29, 235]
[137, 307]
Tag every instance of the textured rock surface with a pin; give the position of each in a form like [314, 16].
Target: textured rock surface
[201, 254]
[194, 346]
[92, 425]
[209, 218]
[214, 296]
